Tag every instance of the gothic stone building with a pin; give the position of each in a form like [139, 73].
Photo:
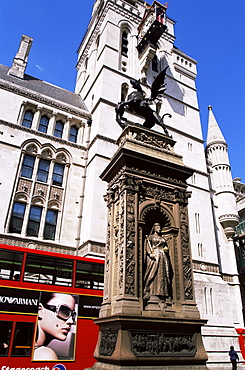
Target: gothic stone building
[55, 144]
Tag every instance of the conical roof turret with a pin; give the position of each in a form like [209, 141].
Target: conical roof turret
[214, 133]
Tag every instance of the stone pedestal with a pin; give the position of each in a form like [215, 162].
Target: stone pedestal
[139, 327]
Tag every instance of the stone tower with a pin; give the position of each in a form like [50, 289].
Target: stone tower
[108, 57]
[221, 180]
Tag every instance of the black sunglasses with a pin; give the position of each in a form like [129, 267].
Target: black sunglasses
[62, 311]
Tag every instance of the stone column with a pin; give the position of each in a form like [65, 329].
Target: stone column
[148, 318]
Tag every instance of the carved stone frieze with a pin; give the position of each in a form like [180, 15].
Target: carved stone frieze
[152, 141]
[108, 342]
[107, 254]
[116, 246]
[121, 244]
[157, 175]
[176, 271]
[153, 344]
[158, 194]
[228, 278]
[130, 247]
[187, 271]
[181, 196]
[206, 267]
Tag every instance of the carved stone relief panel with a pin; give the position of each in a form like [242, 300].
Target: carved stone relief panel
[187, 271]
[116, 247]
[130, 247]
[121, 244]
[107, 254]
[108, 342]
[154, 344]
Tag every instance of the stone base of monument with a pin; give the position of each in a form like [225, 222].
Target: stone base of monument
[133, 342]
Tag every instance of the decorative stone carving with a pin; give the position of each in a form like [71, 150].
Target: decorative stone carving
[31, 149]
[130, 249]
[154, 344]
[108, 342]
[152, 141]
[61, 157]
[188, 284]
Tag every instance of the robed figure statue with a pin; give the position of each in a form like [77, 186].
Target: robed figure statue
[157, 277]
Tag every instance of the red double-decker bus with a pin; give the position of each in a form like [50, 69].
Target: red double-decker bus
[47, 305]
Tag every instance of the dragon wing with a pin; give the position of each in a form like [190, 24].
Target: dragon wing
[158, 85]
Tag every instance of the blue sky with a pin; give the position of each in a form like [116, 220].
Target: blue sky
[210, 31]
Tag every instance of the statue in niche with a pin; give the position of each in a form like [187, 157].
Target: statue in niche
[137, 103]
[158, 271]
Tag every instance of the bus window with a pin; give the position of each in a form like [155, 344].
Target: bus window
[48, 270]
[5, 330]
[10, 265]
[23, 339]
[89, 275]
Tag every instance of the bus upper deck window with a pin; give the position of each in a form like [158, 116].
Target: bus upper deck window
[10, 265]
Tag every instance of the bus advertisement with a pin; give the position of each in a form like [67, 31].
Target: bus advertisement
[47, 305]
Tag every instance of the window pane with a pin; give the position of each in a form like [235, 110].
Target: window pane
[27, 166]
[89, 275]
[73, 134]
[23, 339]
[17, 217]
[59, 129]
[48, 270]
[58, 174]
[50, 224]
[10, 265]
[5, 330]
[124, 45]
[43, 169]
[43, 125]
[28, 117]
[34, 221]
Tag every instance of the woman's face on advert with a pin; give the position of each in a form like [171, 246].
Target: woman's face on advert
[53, 325]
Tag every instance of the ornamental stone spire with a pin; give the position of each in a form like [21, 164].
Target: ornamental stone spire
[214, 133]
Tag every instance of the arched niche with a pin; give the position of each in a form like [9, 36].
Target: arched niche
[150, 213]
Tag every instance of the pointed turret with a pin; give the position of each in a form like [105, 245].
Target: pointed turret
[221, 179]
[214, 133]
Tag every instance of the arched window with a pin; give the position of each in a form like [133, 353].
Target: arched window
[43, 170]
[73, 134]
[58, 174]
[27, 166]
[28, 118]
[124, 91]
[34, 221]
[124, 44]
[59, 127]
[50, 224]
[17, 217]
[43, 125]
[154, 64]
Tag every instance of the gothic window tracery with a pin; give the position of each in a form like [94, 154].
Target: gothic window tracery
[38, 198]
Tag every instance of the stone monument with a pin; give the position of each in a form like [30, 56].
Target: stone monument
[149, 318]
